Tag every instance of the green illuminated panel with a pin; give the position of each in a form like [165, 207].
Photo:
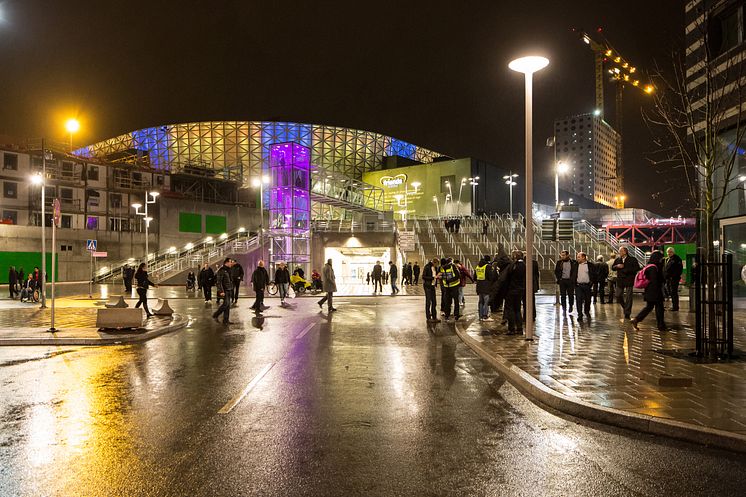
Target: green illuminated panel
[215, 225]
[190, 223]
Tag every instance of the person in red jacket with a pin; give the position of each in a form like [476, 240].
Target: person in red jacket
[464, 274]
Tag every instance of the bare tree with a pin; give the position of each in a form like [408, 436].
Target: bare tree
[690, 121]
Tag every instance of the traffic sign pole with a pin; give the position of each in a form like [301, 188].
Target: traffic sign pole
[55, 223]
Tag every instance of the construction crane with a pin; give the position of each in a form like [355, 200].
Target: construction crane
[610, 62]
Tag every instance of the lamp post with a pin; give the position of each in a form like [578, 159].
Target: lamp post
[509, 181]
[72, 126]
[528, 66]
[460, 189]
[147, 218]
[474, 182]
[449, 196]
[437, 205]
[259, 183]
[39, 179]
[559, 168]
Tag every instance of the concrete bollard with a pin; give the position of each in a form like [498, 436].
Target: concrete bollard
[119, 304]
[163, 309]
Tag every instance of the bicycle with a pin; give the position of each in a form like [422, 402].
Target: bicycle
[272, 288]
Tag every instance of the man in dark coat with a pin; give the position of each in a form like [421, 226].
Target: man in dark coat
[127, 274]
[260, 281]
[626, 268]
[602, 273]
[428, 282]
[393, 276]
[566, 273]
[377, 277]
[673, 267]
[206, 280]
[514, 279]
[416, 273]
[236, 277]
[12, 282]
[225, 286]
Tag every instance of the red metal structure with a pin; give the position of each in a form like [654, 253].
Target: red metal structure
[655, 233]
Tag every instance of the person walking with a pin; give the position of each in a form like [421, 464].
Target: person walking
[143, 283]
[329, 282]
[653, 291]
[405, 274]
[514, 280]
[500, 262]
[410, 273]
[21, 276]
[206, 281]
[673, 267]
[626, 269]
[282, 280]
[377, 277]
[429, 279]
[566, 273]
[12, 282]
[225, 285]
[259, 281]
[416, 273]
[393, 276]
[485, 277]
[237, 275]
[451, 279]
[586, 276]
[611, 277]
[602, 273]
[127, 274]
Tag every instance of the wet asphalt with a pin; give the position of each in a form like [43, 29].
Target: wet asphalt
[366, 401]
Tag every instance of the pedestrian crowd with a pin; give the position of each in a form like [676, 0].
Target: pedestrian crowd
[24, 286]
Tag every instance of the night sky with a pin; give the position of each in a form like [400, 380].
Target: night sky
[430, 72]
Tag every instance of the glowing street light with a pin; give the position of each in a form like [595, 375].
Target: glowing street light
[259, 183]
[528, 66]
[474, 182]
[559, 168]
[72, 126]
[509, 181]
[150, 198]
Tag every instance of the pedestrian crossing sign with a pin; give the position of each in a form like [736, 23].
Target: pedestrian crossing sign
[90, 245]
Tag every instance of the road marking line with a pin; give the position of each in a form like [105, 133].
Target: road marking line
[238, 398]
[305, 331]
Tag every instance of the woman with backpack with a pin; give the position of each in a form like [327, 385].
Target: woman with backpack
[651, 280]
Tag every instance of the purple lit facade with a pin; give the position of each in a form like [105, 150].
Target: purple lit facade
[290, 203]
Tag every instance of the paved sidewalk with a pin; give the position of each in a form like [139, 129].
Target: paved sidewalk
[75, 318]
[610, 365]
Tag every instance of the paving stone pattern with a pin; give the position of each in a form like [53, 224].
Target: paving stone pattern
[611, 364]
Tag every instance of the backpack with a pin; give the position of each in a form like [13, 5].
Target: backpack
[642, 281]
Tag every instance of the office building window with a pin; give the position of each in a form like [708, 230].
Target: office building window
[10, 189]
[10, 217]
[93, 173]
[115, 200]
[66, 221]
[10, 162]
[91, 223]
[726, 29]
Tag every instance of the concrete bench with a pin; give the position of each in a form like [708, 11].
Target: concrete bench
[119, 304]
[118, 318]
[163, 309]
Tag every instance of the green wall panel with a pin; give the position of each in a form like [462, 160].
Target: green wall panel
[25, 260]
[215, 225]
[190, 222]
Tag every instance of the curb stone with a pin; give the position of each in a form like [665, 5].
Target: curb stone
[535, 389]
[178, 322]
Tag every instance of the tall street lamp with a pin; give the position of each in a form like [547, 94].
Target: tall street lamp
[150, 198]
[559, 168]
[460, 189]
[437, 205]
[509, 181]
[259, 183]
[72, 126]
[474, 182]
[38, 179]
[528, 66]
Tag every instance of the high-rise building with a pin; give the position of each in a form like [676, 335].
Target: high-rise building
[588, 146]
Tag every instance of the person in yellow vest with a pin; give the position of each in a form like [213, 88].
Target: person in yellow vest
[485, 277]
[451, 279]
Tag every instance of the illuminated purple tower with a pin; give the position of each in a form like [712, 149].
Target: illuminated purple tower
[290, 204]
